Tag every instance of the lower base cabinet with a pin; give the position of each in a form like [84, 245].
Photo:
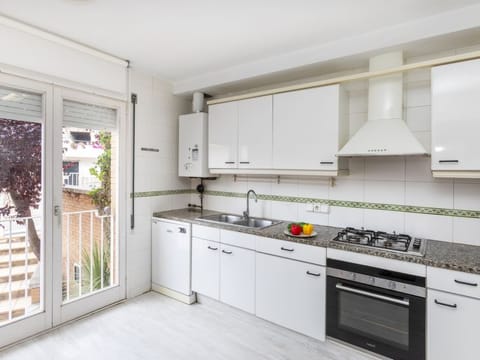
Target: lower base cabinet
[206, 267]
[237, 277]
[452, 326]
[291, 293]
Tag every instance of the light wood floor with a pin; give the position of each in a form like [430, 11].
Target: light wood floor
[153, 326]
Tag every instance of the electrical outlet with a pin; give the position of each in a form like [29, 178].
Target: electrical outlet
[316, 208]
[309, 207]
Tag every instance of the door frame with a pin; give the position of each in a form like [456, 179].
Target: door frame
[63, 312]
[27, 326]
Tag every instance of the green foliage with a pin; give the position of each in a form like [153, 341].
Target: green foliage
[94, 263]
[101, 196]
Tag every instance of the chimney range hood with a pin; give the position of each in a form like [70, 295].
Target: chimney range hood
[385, 133]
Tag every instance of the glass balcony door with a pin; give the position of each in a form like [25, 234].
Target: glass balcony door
[25, 208]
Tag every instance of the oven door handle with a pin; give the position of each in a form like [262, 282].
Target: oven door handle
[405, 302]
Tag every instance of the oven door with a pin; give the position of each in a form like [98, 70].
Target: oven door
[383, 321]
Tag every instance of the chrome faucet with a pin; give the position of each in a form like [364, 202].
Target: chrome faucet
[246, 213]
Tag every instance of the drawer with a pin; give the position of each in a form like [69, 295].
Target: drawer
[206, 232]
[456, 282]
[237, 239]
[292, 250]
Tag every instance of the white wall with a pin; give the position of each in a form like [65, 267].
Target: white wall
[404, 181]
[156, 127]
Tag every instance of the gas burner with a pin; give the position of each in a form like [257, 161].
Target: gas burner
[383, 240]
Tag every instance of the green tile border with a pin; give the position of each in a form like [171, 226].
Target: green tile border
[161, 193]
[338, 203]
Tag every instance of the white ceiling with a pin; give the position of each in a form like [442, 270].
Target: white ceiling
[181, 39]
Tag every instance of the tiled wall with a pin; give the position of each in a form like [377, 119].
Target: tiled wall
[156, 117]
[401, 181]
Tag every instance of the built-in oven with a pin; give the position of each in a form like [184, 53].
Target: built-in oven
[379, 310]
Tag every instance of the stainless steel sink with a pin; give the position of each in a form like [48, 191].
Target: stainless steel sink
[237, 220]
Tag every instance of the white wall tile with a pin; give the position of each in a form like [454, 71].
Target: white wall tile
[356, 167]
[284, 211]
[311, 217]
[419, 118]
[418, 168]
[381, 220]
[466, 196]
[314, 188]
[429, 194]
[343, 217]
[358, 101]
[385, 168]
[466, 231]
[288, 186]
[418, 94]
[357, 120]
[424, 138]
[350, 190]
[385, 192]
[429, 226]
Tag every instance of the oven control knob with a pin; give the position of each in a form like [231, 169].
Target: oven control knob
[392, 285]
[372, 280]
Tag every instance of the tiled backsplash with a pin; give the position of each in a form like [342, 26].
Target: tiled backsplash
[397, 181]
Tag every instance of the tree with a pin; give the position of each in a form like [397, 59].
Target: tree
[101, 196]
[21, 171]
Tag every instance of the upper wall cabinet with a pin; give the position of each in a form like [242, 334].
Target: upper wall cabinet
[456, 120]
[294, 133]
[240, 134]
[309, 127]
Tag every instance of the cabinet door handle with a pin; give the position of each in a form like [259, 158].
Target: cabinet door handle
[212, 248]
[244, 162]
[227, 252]
[454, 306]
[313, 274]
[169, 230]
[465, 283]
[448, 161]
[326, 162]
[229, 162]
[286, 249]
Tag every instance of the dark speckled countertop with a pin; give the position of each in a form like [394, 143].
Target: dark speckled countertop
[440, 254]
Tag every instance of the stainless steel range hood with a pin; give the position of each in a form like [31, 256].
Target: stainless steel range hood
[385, 133]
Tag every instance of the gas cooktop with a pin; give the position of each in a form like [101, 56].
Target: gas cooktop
[379, 239]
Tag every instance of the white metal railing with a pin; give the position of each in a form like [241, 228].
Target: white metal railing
[95, 237]
[82, 182]
[14, 238]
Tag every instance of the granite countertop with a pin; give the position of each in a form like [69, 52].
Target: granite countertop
[440, 254]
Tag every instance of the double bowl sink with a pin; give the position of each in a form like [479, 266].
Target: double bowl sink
[237, 220]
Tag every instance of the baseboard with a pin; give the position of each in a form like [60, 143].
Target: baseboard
[187, 299]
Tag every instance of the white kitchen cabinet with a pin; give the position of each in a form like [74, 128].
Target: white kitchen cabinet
[171, 254]
[206, 267]
[455, 119]
[309, 128]
[291, 293]
[255, 133]
[237, 277]
[452, 326]
[240, 134]
[223, 136]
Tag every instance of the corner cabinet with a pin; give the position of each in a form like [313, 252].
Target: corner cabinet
[240, 134]
[456, 120]
[294, 133]
[313, 122]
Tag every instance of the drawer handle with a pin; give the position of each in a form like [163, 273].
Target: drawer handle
[465, 283]
[169, 230]
[285, 249]
[229, 162]
[212, 248]
[244, 162]
[454, 306]
[227, 252]
[326, 162]
[448, 161]
[313, 274]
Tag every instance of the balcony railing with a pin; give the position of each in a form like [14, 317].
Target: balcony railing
[19, 275]
[88, 251]
[82, 182]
